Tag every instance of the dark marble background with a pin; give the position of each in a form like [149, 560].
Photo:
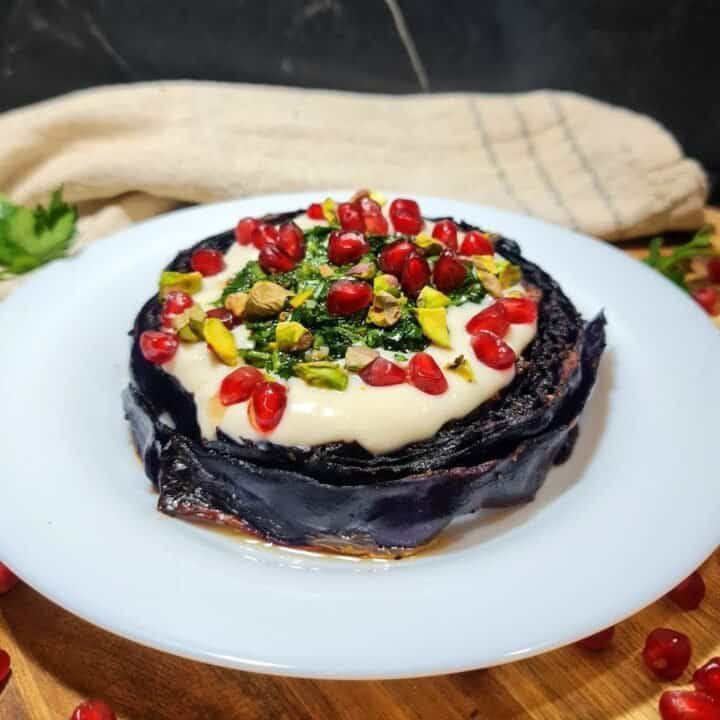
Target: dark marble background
[657, 56]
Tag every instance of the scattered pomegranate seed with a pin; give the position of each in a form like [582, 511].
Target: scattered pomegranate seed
[599, 641]
[244, 230]
[446, 231]
[449, 272]
[689, 593]
[667, 653]
[688, 705]
[8, 579]
[492, 350]
[315, 212]
[706, 297]
[176, 302]
[267, 405]
[415, 275]
[346, 297]
[350, 216]
[239, 384]
[476, 243]
[392, 257]
[207, 262]
[713, 270]
[93, 710]
[273, 260]
[425, 374]
[707, 678]
[223, 315]
[4, 666]
[346, 246]
[158, 347]
[264, 234]
[519, 310]
[405, 216]
[493, 319]
[381, 372]
[291, 241]
[376, 224]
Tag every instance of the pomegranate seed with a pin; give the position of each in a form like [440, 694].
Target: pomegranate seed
[415, 275]
[207, 262]
[446, 232]
[392, 257]
[176, 302]
[239, 384]
[476, 243]
[346, 297]
[376, 224]
[492, 350]
[713, 270]
[350, 216]
[223, 315]
[688, 705]
[368, 206]
[8, 579]
[425, 374]
[598, 641]
[449, 273]
[667, 653]
[291, 241]
[405, 216]
[381, 372]
[707, 678]
[4, 666]
[315, 212]
[267, 405]
[346, 246]
[519, 310]
[244, 230]
[264, 234]
[707, 297]
[93, 710]
[158, 347]
[689, 593]
[493, 319]
[273, 260]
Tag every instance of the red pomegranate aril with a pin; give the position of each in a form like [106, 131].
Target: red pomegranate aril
[8, 579]
[667, 653]
[346, 246]
[93, 710]
[315, 212]
[449, 272]
[713, 270]
[239, 385]
[158, 347]
[392, 257]
[376, 224]
[368, 206]
[263, 235]
[244, 230]
[707, 298]
[493, 319]
[425, 374]
[405, 216]
[4, 666]
[381, 372]
[446, 231]
[476, 243]
[688, 705]
[689, 593]
[207, 262]
[267, 405]
[273, 260]
[415, 275]
[707, 678]
[519, 310]
[492, 350]
[291, 241]
[346, 297]
[176, 302]
[223, 315]
[599, 641]
[350, 216]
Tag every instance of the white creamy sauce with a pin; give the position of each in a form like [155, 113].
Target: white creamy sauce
[381, 419]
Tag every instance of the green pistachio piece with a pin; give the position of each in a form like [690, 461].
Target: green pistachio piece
[291, 336]
[363, 270]
[431, 298]
[266, 300]
[329, 209]
[358, 356]
[236, 304]
[486, 263]
[221, 340]
[428, 244]
[385, 310]
[317, 353]
[301, 298]
[322, 374]
[510, 275]
[461, 366]
[433, 322]
[387, 283]
[190, 282]
[489, 282]
[189, 324]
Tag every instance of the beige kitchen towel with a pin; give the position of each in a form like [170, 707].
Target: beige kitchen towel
[128, 152]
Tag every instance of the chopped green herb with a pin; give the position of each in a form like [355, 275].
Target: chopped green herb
[675, 265]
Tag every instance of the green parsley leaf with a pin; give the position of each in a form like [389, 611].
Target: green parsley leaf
[676, 264]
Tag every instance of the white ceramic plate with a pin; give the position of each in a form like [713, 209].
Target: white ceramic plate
[633, 512]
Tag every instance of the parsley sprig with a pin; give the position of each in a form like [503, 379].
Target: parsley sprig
[676, 264]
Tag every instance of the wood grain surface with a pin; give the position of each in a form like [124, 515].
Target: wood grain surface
[59, 660]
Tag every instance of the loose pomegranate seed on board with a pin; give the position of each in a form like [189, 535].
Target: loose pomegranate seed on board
[392, 257]
[667, 653]
[405, 216]
[707, 298]
[688, 705]
[492, 350]
[238, 386]
[273, 260]
[492, 319]
[346, 246]
[158, 347]
[264, 234]
[476, 243]
[415, 275]
[425, 374]
[350, 216]
[449, 273]
[346, 297]
[446, 231]
[267, 406]
[8, 579]
[291, 241]
[315, 212]
[519, 310]
[4, 666]
[599, 641]
[707, 678]
[244, 230]
[381, 372]
[93, 710]
[689, 593]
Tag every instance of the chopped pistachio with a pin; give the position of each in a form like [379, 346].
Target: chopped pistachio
[359, 195]
[485, 263]
[300, 298]
[318, 353]
[358, 356]
[386, 283]
[428, 244]
[400, 357]
[489, 282]
[385, 310]
[363, 270]
[187, 334]
[221, 340]
[189, 324]
[266, 300]
[322, 374]
[236, 303]
[433, 322]
[510, 275]
[431, 298]
[461, 366]
[379, 198]
[292, 336]
[514, 293]
[325, 271]
[190, 282]
[329, 211]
